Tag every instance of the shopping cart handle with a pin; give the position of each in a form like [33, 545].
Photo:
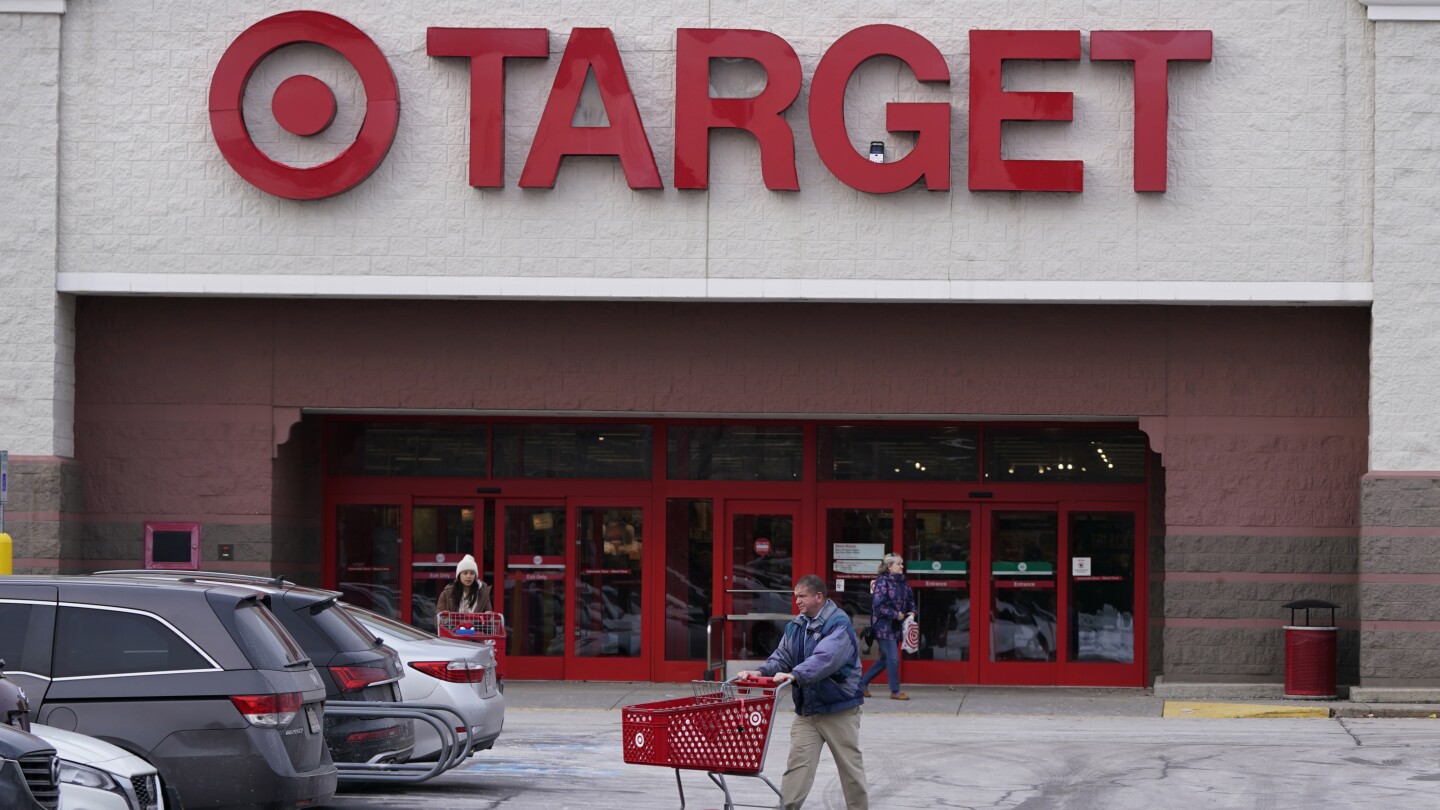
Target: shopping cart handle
[761, 682]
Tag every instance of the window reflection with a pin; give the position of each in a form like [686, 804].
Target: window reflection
[937, 551]
[689, 557]
[1024, 549]
[607, 589]
[1102, 602]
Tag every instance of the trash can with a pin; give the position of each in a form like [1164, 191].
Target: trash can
[1310, 652]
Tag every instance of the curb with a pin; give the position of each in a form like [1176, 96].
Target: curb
[1210, 711]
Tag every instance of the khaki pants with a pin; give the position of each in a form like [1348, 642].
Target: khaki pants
[841, 732]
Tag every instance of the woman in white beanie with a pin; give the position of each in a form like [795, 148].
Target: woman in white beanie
[468, 593]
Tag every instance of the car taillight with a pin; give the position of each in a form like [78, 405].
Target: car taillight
[268, 711]
[452, 671]
[380, 734]
[353, 679]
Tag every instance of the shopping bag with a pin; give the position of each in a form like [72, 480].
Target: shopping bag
[910, 635]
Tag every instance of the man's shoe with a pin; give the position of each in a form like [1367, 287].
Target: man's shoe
[867, 693]
[899, 696]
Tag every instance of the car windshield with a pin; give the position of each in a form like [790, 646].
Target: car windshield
[385, 624]
[267, 644]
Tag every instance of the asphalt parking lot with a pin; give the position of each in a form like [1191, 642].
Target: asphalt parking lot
[961, 748]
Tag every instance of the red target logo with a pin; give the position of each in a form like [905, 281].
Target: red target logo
[304, 105]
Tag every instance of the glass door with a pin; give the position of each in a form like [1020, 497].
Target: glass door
[368, 553]
[1022, 594]
[858, 535]
[938, 550]
[607, 599]
[531, 565]
[1105, 596]
[758, 576]
[690, 586]
[442, 532]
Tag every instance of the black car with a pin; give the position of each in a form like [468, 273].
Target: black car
[353, 664]
[201, 680]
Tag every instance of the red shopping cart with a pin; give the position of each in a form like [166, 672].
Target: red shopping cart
[479, 627]
[724, 730]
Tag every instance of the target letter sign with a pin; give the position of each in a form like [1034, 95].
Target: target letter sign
[304, 105]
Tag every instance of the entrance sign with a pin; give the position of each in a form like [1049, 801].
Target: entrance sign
[864, 568]
[697, 113]
[859, 551]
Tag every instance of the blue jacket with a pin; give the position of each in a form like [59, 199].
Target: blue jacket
[824, 656]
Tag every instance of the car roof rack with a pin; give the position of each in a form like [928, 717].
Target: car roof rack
[190, 576]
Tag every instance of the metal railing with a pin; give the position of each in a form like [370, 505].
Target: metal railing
[443, 719]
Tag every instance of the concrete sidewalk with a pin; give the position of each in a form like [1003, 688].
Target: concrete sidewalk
[978, 701]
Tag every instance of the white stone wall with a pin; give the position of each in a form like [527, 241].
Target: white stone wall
[1405, 344]
[36, 325]
[1270, 152]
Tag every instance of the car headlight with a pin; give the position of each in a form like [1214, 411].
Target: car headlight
[73, 773]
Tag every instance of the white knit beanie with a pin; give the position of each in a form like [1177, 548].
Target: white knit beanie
[467, 564]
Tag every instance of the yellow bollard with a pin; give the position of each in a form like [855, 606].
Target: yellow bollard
[7, 559]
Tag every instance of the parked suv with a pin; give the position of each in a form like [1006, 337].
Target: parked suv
[202, 681]
[352, 662]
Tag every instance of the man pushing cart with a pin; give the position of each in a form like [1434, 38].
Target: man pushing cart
[819, 656]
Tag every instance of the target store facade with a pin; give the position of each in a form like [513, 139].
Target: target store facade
[1115, 324]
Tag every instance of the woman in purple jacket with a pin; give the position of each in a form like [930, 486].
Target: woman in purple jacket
[893, 602]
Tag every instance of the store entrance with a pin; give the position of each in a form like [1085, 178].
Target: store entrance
[566, 572]
[1006, 594]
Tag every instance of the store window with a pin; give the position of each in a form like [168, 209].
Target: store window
[735, 453]
[892, 453]
[1038, 455]
[438, 449]
[572, 451]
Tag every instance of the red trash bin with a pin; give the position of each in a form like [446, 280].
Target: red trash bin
[1310, 653]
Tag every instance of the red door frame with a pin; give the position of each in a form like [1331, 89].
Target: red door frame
[1028, 673]
[978, 669]
[814, 497]
[800, 554]
[948, 672]
[1081, 673]
[534, 667]
[599, 668]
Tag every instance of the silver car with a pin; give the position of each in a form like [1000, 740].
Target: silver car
[458, 674]
[95, 775]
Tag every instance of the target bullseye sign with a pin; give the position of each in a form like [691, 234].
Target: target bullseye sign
[304, 105]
